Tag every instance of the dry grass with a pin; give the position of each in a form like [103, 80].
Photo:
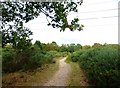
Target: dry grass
[77, 77]
[31, 78]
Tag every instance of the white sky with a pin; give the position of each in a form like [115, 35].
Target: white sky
[100, 30]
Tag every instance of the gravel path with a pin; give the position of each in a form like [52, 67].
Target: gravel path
[61, 77]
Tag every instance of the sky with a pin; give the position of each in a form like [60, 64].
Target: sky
[98, 16]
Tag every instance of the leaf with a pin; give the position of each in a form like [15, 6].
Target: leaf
[48, 24]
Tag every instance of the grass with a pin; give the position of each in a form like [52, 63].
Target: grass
[77, 77]
[33, 78]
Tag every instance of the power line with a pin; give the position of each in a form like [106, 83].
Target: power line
[100, 10]
[97, 3]
[98, 18]
[94, 18]
[93, 11]
[101, 25]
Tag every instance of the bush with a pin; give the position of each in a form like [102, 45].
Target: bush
[76, 55]
[35, 61]
[49, 57]
[58, 54]
[101, 64]
[29, 58]
[8, 57]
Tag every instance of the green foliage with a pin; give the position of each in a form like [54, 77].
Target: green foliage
[26, 11]
[14, 14]
[76, 55]
[29, 58]
[86, 47]
[51, 47]
[57, 54]
[8, 56]
[35, 61]
[96, 45]
[101, 64]
[38, 45]
[14, 60]
[18, 39]
[0, 51]
[70, 48]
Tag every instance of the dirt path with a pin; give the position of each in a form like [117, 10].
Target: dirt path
[61, 77]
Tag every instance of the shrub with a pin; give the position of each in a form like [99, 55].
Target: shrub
[49, 58]
[29, 58]
[101, 64]
[35, 61]
[58, 54]
[8, 56]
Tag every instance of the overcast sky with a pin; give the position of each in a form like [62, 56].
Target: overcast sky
[98, 17]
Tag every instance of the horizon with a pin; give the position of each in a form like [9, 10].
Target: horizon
[78, 43]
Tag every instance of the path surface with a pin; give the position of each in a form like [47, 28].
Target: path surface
[61, 77]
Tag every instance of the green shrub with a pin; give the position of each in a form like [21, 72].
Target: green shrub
[35, 61]
[29, 58]
[101, 64]
[76, 55]
[8, 57]
[58, 54]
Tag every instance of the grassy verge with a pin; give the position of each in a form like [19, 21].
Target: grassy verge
[31, 78]
[77, 77]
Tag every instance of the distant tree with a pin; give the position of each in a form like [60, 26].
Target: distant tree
[51, 46]
[53, 42]
[71, 48]
[86, 47]
[63, 48]
[78, 47]
[44, 47]
[96, 45]
[38, 44]
[105, 44]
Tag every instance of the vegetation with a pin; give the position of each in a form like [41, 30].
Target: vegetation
[14, 14]
[101, 64]
[29, 58]
[35, 77]
[77, 77]
[18, 51]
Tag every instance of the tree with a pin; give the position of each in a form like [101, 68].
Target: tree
[38, 44]
[63, 48]
[18, 38]
[71, 47]
[86, 47]
[79, 46]
[15, 13]
[53, 42]
[51, 46]
[96, 45]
